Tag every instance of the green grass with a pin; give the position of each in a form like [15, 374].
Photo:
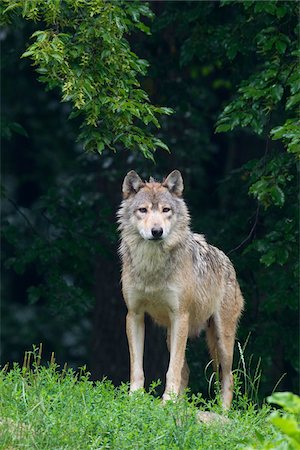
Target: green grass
[42, 408]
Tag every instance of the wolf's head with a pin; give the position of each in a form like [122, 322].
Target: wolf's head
[155, 211]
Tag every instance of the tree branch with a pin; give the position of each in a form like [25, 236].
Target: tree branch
[22, 214]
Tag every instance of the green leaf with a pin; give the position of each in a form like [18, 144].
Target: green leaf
[223, 128]
[277, 92]
[27, 53]
[278, 132]
[167, 111]
[17, 128]
[268, 259]
[40, 35]
[232, 51]
[100, 147]
[277, 195]
[281, 10]
[282, 255]
[287, 400]
[281, 46]
[294, 100]
[159, 143]
[288, 426]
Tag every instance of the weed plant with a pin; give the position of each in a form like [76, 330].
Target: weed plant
[47, 408]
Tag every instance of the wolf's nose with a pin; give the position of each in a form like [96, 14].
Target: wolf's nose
[157, 232]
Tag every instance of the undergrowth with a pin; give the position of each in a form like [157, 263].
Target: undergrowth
[47, 408]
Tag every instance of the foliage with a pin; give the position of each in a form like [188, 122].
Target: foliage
[84, 52]
[46, 408]
[267, 102]
[275, 83]
[240, 79]
[230, 65]
[286, 423]
[274, 86]
[64, 229]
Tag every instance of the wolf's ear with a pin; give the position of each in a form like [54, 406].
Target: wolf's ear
[132, 184]
[174, 183]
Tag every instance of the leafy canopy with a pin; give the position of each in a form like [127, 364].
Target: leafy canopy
[267, 102]
[275, 79]
[82, 49]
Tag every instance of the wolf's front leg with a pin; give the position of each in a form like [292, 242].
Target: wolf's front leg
[135, 329]
[178, 338]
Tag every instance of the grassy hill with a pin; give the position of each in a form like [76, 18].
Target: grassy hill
[44, 408]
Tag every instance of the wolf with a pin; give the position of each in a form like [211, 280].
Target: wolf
[185, 284]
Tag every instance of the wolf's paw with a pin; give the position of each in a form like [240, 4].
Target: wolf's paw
[133, 390]
[209, 417]
[169, 397]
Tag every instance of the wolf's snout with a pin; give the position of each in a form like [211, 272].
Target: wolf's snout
[157, 232]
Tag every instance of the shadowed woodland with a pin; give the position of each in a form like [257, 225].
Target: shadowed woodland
[210, 88]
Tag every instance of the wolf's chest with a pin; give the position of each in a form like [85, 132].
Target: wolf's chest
[159, 302]
[151, 266]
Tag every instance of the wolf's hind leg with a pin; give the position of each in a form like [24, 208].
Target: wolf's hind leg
[220, 340]
[211, 339]
[185, 373]
[226, 346]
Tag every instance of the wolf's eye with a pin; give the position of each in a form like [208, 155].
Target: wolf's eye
[143, 210]
[166, 210]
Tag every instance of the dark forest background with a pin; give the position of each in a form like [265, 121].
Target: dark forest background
[60, 268]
